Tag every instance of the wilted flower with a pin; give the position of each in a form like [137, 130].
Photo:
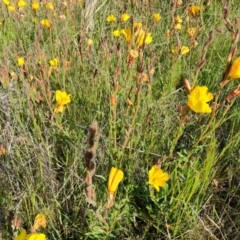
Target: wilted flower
[157, 17]
[125, 17]
[40, 221]
[116, 33]
[115, 177]
[198, 98]
[184, 50]
[157, 178]
[53, 62]
[21, 3]
[235, 69]
[32, 236]
[20, 61]
[194, 10]
[46, 23]
[62, 98]
[111, 18]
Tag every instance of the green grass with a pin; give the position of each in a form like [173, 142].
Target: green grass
[42, 169]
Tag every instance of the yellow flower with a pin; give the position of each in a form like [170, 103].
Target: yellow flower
[178, 19]
[46, 23]
[11, 8]
[141, 38]
[194, 10]
[62, 98]
[32, 236]
[125, 17]
[6, 2]
[157, 178]
[178, 26]
[133, 53]
[115, 177]
[116, 33]
[111, 18]
[35, 6]
[127, 34]
[198, 98]
[191, 31]
[235, 69]
[49, 6]
[89, 42]
[20, 61]
[157, 17]
[40, 221]
[184, 50]
[137, 25]
[21, 3]
[54, 62]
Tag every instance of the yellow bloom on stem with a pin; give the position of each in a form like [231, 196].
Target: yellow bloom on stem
[143, 38]
[235, 69]
[89, 42]
[40, 221]
[184, 50]
[178, 26]
[178, 19]
[111, 18]
[20, 61]
[198, 98]
[157, 178]
[54, 62]
[137, 25]
[194, 10]
[116, 33]
[62, 98]
[6, 2]
[191, 31]
[49, 6]
[35, 6]
[125, 17]
[46, 23]
[32, 236]
[157, 17]
[127, 34]
[11, 8]
[115, 177]
[21, 3]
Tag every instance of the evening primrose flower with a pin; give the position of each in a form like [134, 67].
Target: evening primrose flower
[115, 177]
[184, 50]
[178, 19]
[116, 33]
[22, 4]
[32, 236]
[89, 42]
[49, 6]
[143, 38]
[54, 62]
[46, 23]
[35, 6]
[194, 10]
[178, 26]
[125, 17]
[62, 98]
[20, 61]
[127, 34]
[11, 8]
[191, 32]
[111, 18]
[157, 178]
[198, 98]
[235, 69]
[157, 17]
[6, 2]
[40, 221]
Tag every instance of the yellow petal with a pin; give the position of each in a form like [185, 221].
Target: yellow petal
[235, 69]
[115, 177]
[36, 236]
[21, 236]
